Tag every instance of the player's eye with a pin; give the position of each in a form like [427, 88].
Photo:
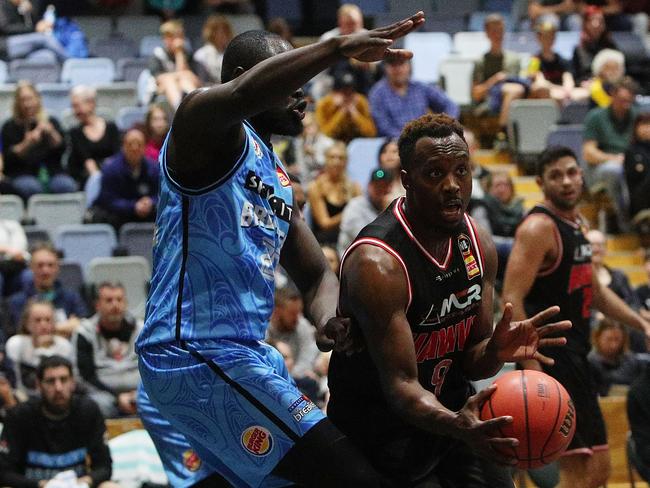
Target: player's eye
[462, 171]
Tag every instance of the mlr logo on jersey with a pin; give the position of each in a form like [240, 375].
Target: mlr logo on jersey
[282, 176]
[191, 460]
[471, 266]
[257, 440]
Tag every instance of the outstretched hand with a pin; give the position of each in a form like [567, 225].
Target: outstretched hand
[375, 45]
[517, 341]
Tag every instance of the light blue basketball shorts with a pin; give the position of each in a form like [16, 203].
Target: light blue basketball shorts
[235, 403]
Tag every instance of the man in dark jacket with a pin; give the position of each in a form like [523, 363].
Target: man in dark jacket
[51, 437]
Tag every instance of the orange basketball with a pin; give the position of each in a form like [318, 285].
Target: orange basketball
[544, 418]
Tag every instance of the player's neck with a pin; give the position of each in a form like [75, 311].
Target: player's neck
[567, 214]
[434, 239]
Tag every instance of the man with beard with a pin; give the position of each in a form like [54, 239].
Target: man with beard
[550, 263]
[57, 433]
[419, 282]
[225, 220]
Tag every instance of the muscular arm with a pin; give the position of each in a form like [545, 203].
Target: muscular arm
[610, 304]
[534, 247]
[209, 121]
[303, 259]
[374, 292]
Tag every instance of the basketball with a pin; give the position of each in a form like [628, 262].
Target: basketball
[544, 418]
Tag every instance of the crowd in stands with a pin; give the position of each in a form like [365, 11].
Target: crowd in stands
[82, 339]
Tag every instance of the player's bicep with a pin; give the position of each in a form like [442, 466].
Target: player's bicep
[374, 292]
[534, 241]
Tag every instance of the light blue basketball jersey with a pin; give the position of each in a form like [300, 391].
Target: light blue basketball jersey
[216, 249]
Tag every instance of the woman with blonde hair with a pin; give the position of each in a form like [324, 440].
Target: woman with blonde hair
[34, 341]
[217, 33]
[329, 193]
[32, 147]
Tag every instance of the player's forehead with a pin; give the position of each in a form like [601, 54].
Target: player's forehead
[564, 164]
[432, 149]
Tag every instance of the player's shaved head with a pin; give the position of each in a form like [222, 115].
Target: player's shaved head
[248, 49]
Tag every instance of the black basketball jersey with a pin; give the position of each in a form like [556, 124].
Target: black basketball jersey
[566, 283]
[443, 306]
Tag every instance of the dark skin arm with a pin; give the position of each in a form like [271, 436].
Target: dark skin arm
[374, 292]
[303, 259]
[209, 121]
[516, 341]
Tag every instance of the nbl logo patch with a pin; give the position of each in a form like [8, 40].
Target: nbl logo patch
[257, 440]
[471, 265]
[191, 460]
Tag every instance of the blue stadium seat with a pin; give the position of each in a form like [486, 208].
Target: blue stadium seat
[11, 208]
[83, 242]
[290, 10]
[138, 26]
[132, 271]
[51, 211]
[127, 117]
[137, 239]
[129, 69]
[36, 233]
[36, 71]
[574, 113]
[90, 71]
[95, 27]
[115, 96]
[363, 157]
[429, 49]
[114, 48]
[55, 97]
[567, 135]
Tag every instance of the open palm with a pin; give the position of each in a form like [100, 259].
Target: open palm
[517, 341]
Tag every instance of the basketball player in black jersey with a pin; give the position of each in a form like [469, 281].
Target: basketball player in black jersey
[418, 282]
[550, 264]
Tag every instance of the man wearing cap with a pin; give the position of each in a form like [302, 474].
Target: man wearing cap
[362, 210]
[344, 113]
[395, 100]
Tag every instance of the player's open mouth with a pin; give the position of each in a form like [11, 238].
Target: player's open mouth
[452, 209]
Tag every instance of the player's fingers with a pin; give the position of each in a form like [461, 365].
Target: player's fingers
[482, 396]
[502, 450]
[408, 23]
[506, 317]
[552, 341]
[543, 359]
[503, 442]
[397, 54]
[547, 329]
[493, 425]
[544, 315]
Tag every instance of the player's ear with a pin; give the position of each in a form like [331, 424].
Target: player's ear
[538, 180]
[237, 71]
[406, 180]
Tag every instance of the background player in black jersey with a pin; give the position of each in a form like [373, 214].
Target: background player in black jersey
[550, 264]
[418, 282]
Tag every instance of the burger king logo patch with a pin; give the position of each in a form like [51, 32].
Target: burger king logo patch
[257, 440]
[191, 460]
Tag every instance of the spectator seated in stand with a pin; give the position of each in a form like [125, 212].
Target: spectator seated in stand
[217, 33]
[105, 350]
[496, 80]
[500, 211]
[610, 360]
[396, 99]
[309, 150]
[594, 38]
[130, 181]
[57, 440]
[13, 255]
[344, 113]
[362, 210]
[93, 140]
[616, 281]
[388, 160]
[24, 35]
[548, 70]
[637, 174]
[156, 126]
[32, 147]
[607, 135]
[172, 65]
[45, 285]
[330, 193]
[608, 69]
[35, 340]
[290, 326]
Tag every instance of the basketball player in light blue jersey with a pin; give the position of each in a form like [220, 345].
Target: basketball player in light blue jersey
[226, 218]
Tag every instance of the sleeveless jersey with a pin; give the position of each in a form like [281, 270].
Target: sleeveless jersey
[216, 249]
[444, 302]
[566, 283]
